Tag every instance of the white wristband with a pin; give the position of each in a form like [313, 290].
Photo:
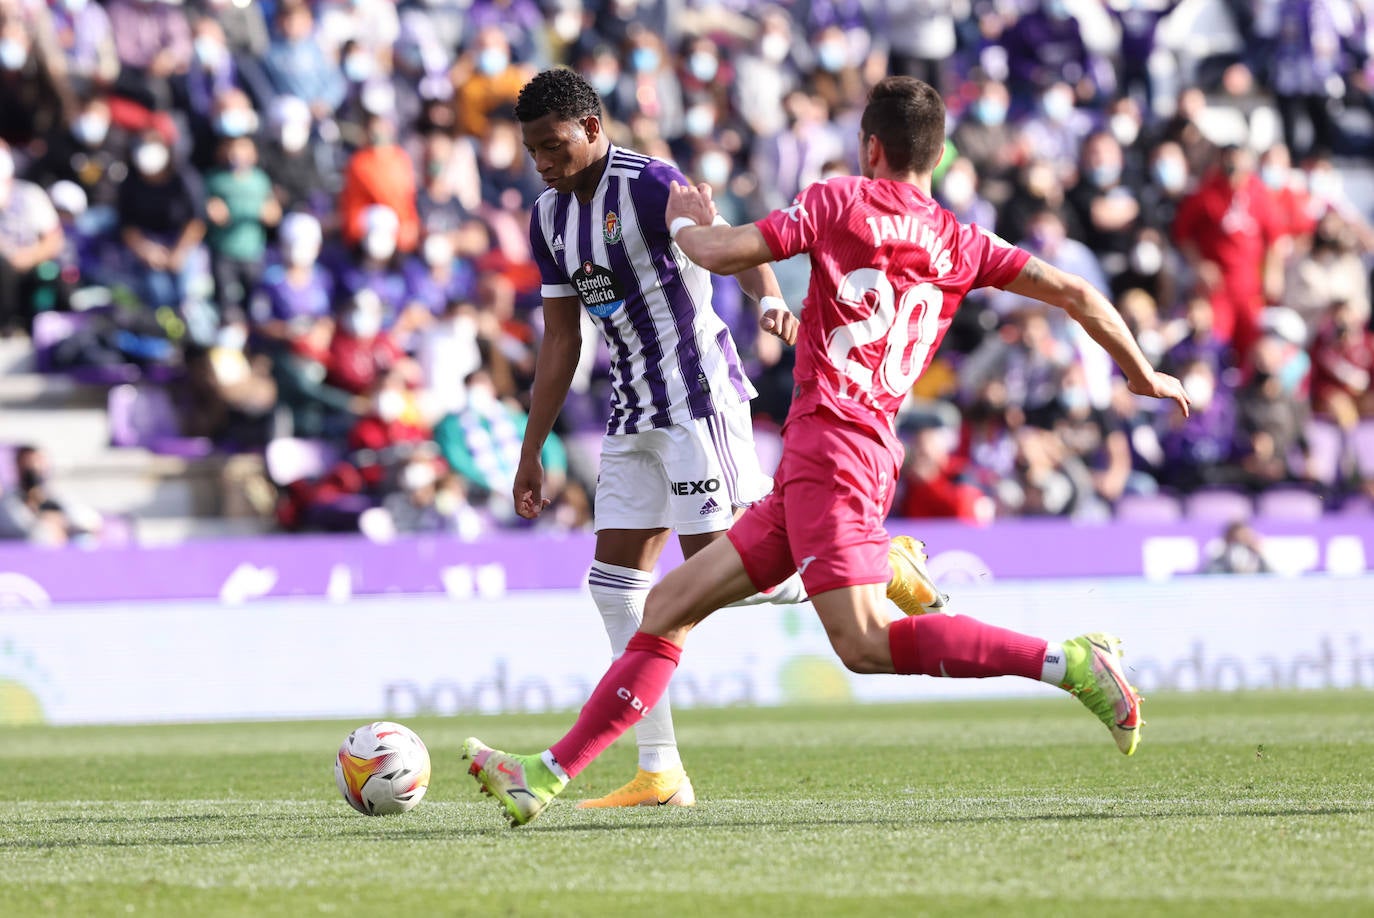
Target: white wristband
[679, 225]
[773, 302]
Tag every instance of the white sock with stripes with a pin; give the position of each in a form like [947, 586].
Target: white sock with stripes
[619, 593]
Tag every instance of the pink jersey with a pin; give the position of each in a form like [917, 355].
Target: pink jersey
[889, 267]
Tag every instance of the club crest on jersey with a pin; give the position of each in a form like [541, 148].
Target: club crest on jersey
[612, 230]
[599, 289]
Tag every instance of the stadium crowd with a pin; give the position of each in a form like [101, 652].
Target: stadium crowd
[308, 220]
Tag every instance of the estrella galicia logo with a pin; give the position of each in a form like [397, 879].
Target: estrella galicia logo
[600, 291]
[611, 231]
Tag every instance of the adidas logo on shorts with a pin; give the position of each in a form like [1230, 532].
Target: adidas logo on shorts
[709, 507]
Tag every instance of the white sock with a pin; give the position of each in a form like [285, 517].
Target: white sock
[619, 593]
[788, 593]
[552, 764]
[1056, 665]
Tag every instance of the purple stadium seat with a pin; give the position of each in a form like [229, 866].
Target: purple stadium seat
[1289, 504]
[1148, 508]
[1326, 445]
[144, 416]
[1218, 505]
[291, 459]
[1357, 507]
[1363, 440]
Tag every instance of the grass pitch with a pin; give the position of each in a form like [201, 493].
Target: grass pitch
[1245, 804]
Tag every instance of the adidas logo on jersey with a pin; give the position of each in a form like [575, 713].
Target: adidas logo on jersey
[558, 243]
[709, 507]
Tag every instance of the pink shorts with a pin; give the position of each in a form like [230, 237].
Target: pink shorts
[831, 493]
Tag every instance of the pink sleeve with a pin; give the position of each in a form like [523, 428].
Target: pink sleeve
[792, 230]
[997, 262]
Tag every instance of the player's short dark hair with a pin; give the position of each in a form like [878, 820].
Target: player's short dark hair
[561, 92]
[908, 118]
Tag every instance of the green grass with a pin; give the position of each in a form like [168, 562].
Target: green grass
[1241, 804]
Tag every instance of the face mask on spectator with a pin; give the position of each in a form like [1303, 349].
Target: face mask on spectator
[151, 158]
[1147, 258]
[991, 112]
[1274, 176]
[437, 251]
[301, 254]
[12, 54]
[1056, 9]
[1057, 106]
[715, 167]
[236, 122]
[832, 56]
[208, 51]
[703, 65]
[357, 66]
[699, 120]
[644, 60]
[1104, 176]
[90, 129]
[74, 6]
[492, 61]
[417, 475]
[1171, 174]
[1324, 184]
[1200, 390]
[603, 81]
[501, 153]
[294, 137]
[390, 405]
[380, 246]
[364, 323]
[6, 165]
[1074, 398]
[232, 337]
[957, 188]
[1124, 128]
[774, 47]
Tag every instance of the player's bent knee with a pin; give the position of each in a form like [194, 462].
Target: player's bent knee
[858, 655]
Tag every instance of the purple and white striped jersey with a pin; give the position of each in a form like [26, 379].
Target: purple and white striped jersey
[672, 358]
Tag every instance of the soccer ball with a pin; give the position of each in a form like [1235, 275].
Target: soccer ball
[382, 768]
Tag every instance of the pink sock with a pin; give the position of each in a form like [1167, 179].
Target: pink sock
[960, 647]
[630, 688]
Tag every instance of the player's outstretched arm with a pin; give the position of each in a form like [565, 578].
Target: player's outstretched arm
[553, 373]
[1089, 308]
[719, 249]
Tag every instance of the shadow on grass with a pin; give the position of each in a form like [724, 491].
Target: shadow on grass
[407, 834]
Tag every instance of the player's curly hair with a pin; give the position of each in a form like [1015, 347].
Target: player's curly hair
[908, 118]
[561, 92]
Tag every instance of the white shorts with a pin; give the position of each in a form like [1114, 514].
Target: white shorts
[689, 477]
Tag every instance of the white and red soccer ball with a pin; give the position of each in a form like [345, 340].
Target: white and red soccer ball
[382, 769]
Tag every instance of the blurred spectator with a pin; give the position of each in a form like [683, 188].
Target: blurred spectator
[1229, 232]
[296, 66]
[428, 503]
[1107, 209]
[93, 152]
[1199, 450]
[1240, 552]
[450, 193]
[451, 349]
[210, 79]
[481, 442]
[959, 191]
[1055, 132]
[86, 39]
[931, 485]
[1026, 359]
[985, 138]
[1139, 23]
[438, 277]
[1342, 367]
[1191, 337]
[380, 173]
[160, 218]
[793, 158]
[1044, 47]
[240, 207]
[508, 179]
[1291, 200]
[922, 39]
[230, 396]
[376, 267]
[153, 41]
[299, 181]
[488, 81]
[1271, 419]
[35, 99]
[1307, 66]
[765, 73]
[32, 512]
[30, 239]
[361, 354]
[1330, 270]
